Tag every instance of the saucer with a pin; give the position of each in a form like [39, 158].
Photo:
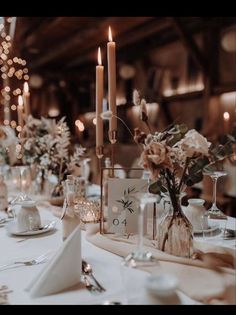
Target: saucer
[209, 230]
[13, 229]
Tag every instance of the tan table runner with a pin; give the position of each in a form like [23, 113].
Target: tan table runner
[210, 278]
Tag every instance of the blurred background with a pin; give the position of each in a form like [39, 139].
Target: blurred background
[185, 67]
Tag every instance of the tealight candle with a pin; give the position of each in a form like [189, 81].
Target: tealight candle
[88, 211]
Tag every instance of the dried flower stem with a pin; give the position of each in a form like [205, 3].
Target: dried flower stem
[60, 171]
[127, 128]
[148, 125]
[183, 174]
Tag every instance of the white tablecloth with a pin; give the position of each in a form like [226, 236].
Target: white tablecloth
[107, 268]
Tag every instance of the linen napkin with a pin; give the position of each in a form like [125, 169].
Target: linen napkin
[63, 271]
[209, 278]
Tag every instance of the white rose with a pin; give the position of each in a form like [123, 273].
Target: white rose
[194, 143]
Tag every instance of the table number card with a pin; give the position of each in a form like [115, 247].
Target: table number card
[123, 207]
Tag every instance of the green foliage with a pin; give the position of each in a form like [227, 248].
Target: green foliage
[176, 133]
[157, 188]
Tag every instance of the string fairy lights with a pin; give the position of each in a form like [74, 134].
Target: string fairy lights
[13, 73]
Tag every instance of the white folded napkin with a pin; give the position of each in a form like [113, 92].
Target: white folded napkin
[63, 271]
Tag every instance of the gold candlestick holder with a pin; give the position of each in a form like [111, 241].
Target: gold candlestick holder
[100, 154]
[113, 139]
[112, 134]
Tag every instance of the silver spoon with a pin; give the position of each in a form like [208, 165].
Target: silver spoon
[87, 269]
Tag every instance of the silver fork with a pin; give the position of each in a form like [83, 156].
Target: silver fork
[89, 286]
[38, 260]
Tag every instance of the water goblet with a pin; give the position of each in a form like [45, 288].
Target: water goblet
[215, 217]
[141, 256]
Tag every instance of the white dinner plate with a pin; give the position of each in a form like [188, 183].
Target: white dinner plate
[13, 229]
[209, 230]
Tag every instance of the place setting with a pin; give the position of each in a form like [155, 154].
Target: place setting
[117, 169]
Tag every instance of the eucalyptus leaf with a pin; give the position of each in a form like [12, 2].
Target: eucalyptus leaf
[231, 137]
[192, 179]
[174, 139]
[163, 189]
[155, 188]
[198, 165]
[183, 128]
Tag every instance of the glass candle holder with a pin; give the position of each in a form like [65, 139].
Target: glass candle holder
[88, 210]
[80, 188]
[70, 192]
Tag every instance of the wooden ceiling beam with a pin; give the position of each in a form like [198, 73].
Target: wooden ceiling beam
[190, 44]
[43, 28]
[76, 39]
[30, 26]
[23, 28]
[134, 35]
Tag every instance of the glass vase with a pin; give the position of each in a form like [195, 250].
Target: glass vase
[175, 235]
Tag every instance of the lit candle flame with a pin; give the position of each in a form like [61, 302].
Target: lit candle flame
[226, 116]
[99, 57]
[109, 34]
[26, 87]
[20, 100]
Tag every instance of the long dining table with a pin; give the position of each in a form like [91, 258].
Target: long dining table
[106, 266]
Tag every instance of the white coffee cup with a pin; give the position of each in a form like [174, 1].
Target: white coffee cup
[195, 213]
[28, 218]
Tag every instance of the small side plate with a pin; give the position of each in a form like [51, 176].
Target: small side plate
[13, 229]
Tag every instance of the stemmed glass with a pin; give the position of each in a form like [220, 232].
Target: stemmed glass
[18, 172]
[134, 280]
[141, 256]
[214, 215]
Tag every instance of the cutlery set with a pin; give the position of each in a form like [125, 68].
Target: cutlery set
[87, 272]
[40, 259]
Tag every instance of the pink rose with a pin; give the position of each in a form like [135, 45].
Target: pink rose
[156, 157]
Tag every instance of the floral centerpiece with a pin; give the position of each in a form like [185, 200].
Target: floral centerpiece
[177, 158]
[8, 143]
[46, 144]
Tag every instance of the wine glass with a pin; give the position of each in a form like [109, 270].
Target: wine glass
[215, 217]
[142, 257]
[18, 173]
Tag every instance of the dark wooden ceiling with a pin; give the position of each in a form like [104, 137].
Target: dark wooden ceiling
[67, 44]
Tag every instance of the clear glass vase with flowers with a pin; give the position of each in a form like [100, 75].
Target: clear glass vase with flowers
[46, 143]
[176, 158]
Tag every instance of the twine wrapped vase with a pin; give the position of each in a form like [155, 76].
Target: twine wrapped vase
[175, 235]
